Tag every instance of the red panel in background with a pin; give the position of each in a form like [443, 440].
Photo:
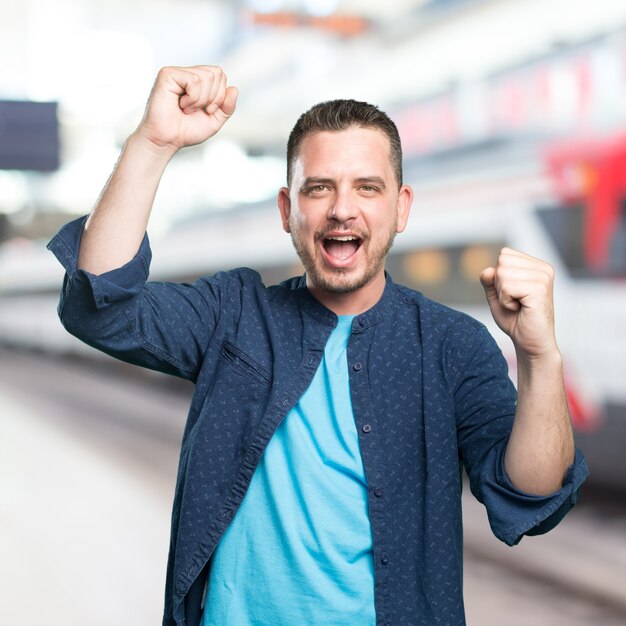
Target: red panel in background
[592, 172]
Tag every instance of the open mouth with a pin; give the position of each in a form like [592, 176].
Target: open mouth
[341, 247]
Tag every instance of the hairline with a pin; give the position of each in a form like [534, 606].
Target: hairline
[351, 125]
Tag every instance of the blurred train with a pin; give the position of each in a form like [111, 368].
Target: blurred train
[565, 203]
[491, 165]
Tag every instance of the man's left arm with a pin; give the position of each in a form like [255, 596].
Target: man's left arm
[519, 291]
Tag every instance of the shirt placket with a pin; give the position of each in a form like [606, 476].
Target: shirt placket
[370, 441]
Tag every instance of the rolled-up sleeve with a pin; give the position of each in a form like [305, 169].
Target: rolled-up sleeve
[485, 402]
[117, 285]
[513, 513]
[158, 325]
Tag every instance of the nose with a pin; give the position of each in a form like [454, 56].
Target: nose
[343, 207]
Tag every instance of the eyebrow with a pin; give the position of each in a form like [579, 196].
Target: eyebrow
[376, 180]
[314, 180]
[363, 180]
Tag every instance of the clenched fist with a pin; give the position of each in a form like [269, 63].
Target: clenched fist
[187, 105]
[519, 292]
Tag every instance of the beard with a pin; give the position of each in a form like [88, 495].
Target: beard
[339, 280]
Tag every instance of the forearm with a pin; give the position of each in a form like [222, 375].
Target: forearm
[185, 108]
[117, 224]
[541, 446]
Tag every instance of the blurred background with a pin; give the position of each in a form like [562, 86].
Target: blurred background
[513, 120]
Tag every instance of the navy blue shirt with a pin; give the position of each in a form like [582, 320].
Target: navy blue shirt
[430, 394]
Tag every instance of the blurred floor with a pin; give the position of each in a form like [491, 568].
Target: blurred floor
[575, 575]
[497, 597]
[83, 539]
[85, 505]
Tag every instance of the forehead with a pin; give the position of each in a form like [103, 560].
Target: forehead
[354, 152]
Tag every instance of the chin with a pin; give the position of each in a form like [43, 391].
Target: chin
[338, 282]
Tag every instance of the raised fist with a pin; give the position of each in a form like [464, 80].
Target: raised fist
[187, 105]
[519, 292]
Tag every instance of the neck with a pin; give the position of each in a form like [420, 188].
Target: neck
[353, 302]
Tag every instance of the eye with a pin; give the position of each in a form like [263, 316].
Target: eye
[369, 189]
[316, 190]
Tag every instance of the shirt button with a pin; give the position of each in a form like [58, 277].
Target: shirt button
[378, 492]
[361, 322]
[384, 560]
[357, 367]
[366, 428]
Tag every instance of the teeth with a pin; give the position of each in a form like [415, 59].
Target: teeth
[346, 238]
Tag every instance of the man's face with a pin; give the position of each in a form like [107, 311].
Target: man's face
[344, 208]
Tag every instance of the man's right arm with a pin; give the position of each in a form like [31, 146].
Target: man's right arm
[106, 301]
[186, 107]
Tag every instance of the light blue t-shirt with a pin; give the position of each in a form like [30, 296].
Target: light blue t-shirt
[299, 550]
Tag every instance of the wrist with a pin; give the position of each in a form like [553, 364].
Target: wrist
[139, 143]
[545, 364]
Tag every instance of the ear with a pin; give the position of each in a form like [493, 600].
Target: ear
[284, 204]
[403, 206]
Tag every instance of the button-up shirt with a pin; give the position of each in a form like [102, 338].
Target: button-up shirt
[430, 394]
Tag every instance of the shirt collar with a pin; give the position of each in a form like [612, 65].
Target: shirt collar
[360, 322]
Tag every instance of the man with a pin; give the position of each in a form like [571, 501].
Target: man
[340, 405]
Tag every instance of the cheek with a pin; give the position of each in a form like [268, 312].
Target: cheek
[381, 221]
[300, 223]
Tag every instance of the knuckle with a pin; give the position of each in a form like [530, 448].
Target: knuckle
[546, 279]
[163, 74]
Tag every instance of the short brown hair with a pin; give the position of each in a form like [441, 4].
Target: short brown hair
[336, 115]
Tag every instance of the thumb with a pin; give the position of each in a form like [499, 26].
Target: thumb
[487, 280]
[230, 101]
